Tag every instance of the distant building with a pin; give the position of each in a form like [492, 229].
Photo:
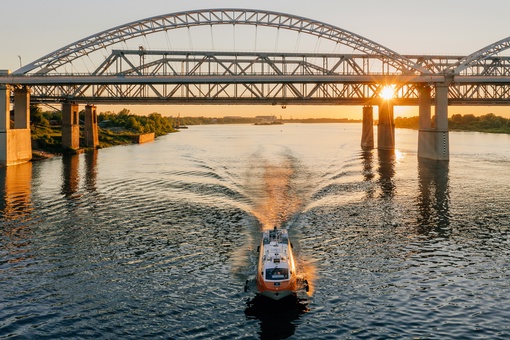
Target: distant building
[265, 119]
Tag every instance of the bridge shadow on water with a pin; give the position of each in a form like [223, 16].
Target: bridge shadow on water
[277, 318]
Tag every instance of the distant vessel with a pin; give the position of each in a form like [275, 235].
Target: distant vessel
[276, 272]
[178, 125]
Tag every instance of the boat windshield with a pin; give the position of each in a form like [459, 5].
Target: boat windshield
[277, 274]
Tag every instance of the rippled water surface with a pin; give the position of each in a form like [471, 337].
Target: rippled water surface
[157, 240]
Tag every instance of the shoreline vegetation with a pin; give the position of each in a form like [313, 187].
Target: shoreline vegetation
[489, 123]
[123, 127]
[113, 129]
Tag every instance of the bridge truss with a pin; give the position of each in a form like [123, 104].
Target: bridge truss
[181, 77]
[216, 77]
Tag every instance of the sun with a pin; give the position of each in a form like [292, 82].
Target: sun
[388, 92]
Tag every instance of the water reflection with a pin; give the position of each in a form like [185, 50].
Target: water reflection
[91, 169]
[277, 318]
[386, 172]
[368, 170]
[434, 197]
[16, 207]
[70, 175]
[16, 189]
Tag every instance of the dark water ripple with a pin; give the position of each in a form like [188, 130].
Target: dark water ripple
[157, 240]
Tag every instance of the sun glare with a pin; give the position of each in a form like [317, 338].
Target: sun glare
[387, 92]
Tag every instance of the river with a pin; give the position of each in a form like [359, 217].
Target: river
[157, 240]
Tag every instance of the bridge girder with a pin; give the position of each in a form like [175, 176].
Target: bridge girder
[287, 78]
[263, 93]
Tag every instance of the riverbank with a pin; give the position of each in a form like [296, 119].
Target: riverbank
[47, 141]
[488, 123]
[113, 129]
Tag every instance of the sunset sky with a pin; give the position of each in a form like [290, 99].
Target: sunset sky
[33, 28]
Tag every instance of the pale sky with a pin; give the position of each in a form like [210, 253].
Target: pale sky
[33, 28]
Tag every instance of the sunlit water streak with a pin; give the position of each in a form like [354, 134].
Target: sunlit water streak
[157, 240]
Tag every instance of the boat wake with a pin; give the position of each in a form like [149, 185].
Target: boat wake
[277, 202]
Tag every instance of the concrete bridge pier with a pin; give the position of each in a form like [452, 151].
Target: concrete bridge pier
[91, 132]
[367, 134]
[433, 141]
[15, 139]
[442, 135]
[386, 126]
[70, 126]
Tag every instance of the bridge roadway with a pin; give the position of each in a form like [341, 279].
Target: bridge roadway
[230, 77]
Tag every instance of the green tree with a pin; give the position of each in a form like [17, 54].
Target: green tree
[133, 124]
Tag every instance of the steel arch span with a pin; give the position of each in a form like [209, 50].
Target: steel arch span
[186, 19]
[477, 57]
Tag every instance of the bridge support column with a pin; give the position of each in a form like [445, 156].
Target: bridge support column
[70, 126]
[15, 141]
[367, 134]
[22, 108]
[433, 142]
[426, 135]
[386, 127]
[5, 108]
[442, 134]
[5, 121]
[91, 133]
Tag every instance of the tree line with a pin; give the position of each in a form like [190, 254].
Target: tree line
[469, 122]
[154, 122]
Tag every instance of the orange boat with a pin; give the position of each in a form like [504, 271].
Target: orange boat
[276, 274]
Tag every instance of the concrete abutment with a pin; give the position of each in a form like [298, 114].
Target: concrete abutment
[15, 138]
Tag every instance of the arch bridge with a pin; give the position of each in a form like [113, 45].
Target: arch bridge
[102, 68]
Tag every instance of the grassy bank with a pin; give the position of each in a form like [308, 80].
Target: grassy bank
[49, 139]
[114, 129]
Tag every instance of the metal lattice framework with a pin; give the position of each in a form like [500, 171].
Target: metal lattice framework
[222, 77]
[187, 19]
[228, 77]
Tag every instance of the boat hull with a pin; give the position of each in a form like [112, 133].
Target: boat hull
[276, 275]
[276, 290]
[277, 295]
